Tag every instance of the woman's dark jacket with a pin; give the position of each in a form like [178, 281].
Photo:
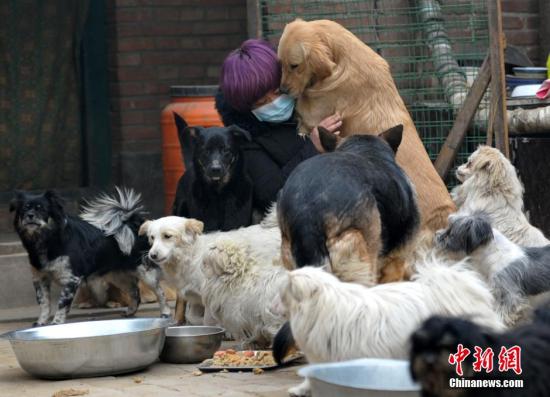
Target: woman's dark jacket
[275, 150]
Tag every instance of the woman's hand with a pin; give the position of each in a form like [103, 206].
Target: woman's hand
[331, 124]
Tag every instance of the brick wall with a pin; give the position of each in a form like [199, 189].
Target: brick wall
[520, 19]
[154, 44]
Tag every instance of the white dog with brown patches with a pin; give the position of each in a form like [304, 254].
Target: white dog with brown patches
[336, 321]
[179, 248]
[490, 185]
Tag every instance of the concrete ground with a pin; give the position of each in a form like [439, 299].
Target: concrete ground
[159, 380]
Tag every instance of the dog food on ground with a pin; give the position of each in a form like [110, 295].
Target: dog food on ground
[246, 358]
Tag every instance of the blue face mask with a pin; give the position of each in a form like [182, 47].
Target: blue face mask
[276, 111]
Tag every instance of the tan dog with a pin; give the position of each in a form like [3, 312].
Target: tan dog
[329, 70]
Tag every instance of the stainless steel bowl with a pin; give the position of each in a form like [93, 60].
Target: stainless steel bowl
[368, 377]
[90, 348]
[191, 344]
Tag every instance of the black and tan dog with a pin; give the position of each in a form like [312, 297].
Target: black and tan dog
[353, 211]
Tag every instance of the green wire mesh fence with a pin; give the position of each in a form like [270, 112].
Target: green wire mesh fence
[434, 47]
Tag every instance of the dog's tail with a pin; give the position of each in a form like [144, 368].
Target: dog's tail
[112, 215]
[309, 248]
[283, 343]
[270, 218]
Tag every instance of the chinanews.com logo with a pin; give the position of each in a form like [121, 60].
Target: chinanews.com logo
[509, 360]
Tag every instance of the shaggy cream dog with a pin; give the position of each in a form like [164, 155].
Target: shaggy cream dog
[335, 321]
[239, 291]
[178, 247]
[490, 185]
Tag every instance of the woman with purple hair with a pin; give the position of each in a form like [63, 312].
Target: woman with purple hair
[249, 97]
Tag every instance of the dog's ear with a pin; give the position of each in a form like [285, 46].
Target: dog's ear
[468, 233]
[181, 124]
[186, 136]
[493, 162]
[319, 57]
[300, 287]
[393, 136]
[482, 158]
[54, 199]
[238, 132]
[328, 140]
[17, 200]
[194, 227]
[144, 228]
[481, 232]
[293, 289]
[448, 339]
[14, 204]
[56, 209]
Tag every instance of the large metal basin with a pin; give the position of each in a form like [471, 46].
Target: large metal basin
[90, 348]
[367, 377]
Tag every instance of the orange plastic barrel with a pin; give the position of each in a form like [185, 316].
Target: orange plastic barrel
[196, 105]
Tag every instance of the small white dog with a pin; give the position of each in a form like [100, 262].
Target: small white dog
[239, 292]
[336, 321]
[514, 273]
[178, 247]
[490, 184]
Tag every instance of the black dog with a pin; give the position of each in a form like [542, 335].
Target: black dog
[438, 338]
[352, 211]
[68, 250]
[215, 187]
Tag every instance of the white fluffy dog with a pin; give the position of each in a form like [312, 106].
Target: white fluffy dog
[490, 184]
[335, 321]
[178, 246]
[239, 292]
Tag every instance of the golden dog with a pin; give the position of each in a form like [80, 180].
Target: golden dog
[328, 69]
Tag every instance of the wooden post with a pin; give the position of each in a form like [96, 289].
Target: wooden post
[254, 19]
[544, 34]
[463, 119]
[498, 84]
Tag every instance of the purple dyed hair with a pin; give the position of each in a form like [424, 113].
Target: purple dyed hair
[248, 73]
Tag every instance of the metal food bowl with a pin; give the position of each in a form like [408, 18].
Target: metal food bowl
[90, 348]
[369, 377]
[191, 344]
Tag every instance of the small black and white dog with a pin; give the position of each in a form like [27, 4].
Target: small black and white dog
[514, 273]
[438, 338]
[215, 188]
[69, 250]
